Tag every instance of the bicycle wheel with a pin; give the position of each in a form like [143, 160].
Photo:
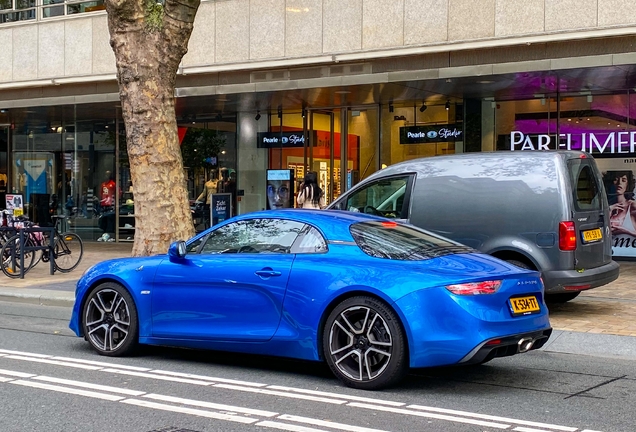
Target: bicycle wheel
[67, 250]
[11, 250]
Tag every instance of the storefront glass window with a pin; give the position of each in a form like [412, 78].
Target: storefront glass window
[411, 131]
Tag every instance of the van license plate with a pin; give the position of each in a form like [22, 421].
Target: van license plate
[594, 235]
[524, 305]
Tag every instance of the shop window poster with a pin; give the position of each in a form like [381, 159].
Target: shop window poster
[619, 181]
[15, 202]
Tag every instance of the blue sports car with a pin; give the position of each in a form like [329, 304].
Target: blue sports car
[369, 296]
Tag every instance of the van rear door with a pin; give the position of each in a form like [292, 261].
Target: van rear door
[589, 214]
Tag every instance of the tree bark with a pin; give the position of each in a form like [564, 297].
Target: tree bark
[149, 42]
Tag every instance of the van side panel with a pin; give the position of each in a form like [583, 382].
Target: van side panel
[494, 203]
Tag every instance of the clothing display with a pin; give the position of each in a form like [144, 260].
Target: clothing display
[210, 187]
[108, 193]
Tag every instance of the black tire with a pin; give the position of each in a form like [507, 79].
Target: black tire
[354, 352]
[68, 251]
[109, 320]
[561, 297]
[12, 249]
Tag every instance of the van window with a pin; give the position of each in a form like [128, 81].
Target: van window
[585, 184]
[383, 198]
[395, 241]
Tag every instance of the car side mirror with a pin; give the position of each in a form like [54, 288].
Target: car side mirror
[177, 250]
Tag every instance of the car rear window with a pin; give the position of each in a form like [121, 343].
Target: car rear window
[395, 241]
[585, 185]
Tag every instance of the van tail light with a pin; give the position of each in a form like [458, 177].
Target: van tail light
[475, 288]
[567, 236]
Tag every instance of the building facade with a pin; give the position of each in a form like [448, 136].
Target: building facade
[340, 87]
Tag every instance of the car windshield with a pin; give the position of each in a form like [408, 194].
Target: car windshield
[395, 241]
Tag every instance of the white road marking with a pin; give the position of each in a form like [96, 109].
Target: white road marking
[68, 390]
[98, 363]
[90, 386]
[494, 418]
[283, 394]
[207, 378]
[337, 395]
[53, 362]
[24, 353]
[288, 427]
[246, 386]
[430, 415]
[340, 426]
[211, 405]
[154, 376]
[15, 374]
[191, 411]
[525, 429]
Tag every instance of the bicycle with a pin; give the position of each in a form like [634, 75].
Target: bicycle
[68, 250]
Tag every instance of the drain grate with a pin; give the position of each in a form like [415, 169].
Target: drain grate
[172, 429]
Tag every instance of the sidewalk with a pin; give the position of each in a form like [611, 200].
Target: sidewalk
[606, 310]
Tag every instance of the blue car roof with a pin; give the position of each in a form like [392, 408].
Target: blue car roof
[334, 224]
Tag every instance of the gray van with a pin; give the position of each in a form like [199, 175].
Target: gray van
[540, 210]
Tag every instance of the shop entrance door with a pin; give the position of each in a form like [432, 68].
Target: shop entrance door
[342, 146]
[4, 164]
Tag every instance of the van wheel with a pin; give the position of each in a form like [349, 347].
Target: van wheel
[520, 264]
[561, 298]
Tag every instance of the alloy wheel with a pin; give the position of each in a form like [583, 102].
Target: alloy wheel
[107, 320]
[360, 343]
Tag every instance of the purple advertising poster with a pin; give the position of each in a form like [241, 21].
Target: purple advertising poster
[618, 179]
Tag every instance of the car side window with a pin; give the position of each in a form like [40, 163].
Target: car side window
[253, 236]
[309, 241]
[383, 197]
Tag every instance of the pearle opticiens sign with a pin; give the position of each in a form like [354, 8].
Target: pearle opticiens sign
[617, 142]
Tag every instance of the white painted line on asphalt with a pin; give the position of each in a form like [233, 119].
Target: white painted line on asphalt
[430, 415]
[90, 386]
[589, 430]
[154, 376]
[525, 429]
[207, 378]
[191, 411]
[97, 363]
[211, 405]
[68, 390]
[283, 394]
[24, 353]
[15, 374]
[53, 362]
[337, 395]
[4, 380]
[288, 427]
[494, 418]
[340, 426]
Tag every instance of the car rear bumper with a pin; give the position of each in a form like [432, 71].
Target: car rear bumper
[565, 281]
[506, 346]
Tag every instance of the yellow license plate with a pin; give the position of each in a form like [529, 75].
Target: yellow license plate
[592, 235]
[524, 305]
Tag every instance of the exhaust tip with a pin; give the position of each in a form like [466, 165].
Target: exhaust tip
[525, 344]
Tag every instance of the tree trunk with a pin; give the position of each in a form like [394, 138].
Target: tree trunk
[149, 41]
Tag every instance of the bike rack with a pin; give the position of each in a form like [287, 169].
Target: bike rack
[22, 232]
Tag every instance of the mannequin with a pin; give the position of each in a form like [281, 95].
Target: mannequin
[107, 189]
[211, 187]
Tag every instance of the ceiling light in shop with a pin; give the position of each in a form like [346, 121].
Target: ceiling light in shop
[258, 116]
[423, 107]
[485, 82]
[343, 92]
[447, 106]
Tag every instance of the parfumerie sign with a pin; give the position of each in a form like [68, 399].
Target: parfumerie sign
[277, 139]
[430, 134]
[603, 142]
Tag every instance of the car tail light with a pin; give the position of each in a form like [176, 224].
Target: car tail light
[389, 224]
[475, 288]
[567, 236]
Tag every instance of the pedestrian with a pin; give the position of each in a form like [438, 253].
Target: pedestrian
[310, 195]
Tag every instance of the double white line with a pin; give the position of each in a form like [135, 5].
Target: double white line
[227, 412]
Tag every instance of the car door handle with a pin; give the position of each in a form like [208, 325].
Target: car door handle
[267, 273]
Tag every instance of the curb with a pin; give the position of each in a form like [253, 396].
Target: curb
[42, 300]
